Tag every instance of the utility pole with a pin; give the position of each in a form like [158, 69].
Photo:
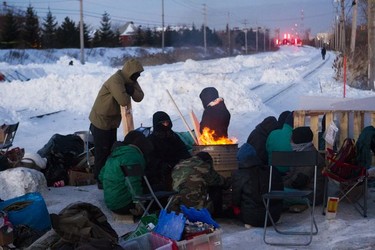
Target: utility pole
[81, 38]
[342, 28]
[354, 27]
[162, 24]
[204, 29]
[228, 27]
[245, 31]
[371, 44]
[264, 39]
[256, 39]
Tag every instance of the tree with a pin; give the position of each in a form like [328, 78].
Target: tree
[30, 29]
[10, 31]
[106, 34]
[68, 34]
[49, 31]
[371, 44]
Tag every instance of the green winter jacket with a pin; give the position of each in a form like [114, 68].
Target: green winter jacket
[105, 113]
[116, 191]
[279, 140]
[363, 146]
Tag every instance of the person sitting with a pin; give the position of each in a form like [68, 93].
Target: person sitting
[302, 178]
[169, 149]
[259, 135]
[216, 116]
[249, 183]
[133, 151]
[192, 178]
[279, 140]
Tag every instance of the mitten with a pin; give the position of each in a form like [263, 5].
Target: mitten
[129, 89]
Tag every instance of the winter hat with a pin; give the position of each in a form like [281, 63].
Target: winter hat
[282, 118]
[302, 135]
[138, 139]
[245, 152]
[158, 118]
[290, 119]
[208, 95]
[204, 156]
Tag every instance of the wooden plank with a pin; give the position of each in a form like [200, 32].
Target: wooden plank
[314, 125]
[343, 127]
[299, 118]
[127, 119]
[373, 119]
[196, 126]
[358, 123]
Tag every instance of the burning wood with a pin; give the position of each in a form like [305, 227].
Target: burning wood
[207, 138]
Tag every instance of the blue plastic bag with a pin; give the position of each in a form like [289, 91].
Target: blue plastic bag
[170, 225]
[30, 210]
[201, 215]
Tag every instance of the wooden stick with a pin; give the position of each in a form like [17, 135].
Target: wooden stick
[127, 119]
[183, 119]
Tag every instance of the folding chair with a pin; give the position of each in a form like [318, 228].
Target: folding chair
[88, 140]
[149, 198]
[292, 159]
[9, 134]
[342, 170]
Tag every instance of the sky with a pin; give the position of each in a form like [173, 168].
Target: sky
[290, 16]
[245, 82]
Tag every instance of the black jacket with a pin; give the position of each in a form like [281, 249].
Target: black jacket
[250, 181]
[258, 137]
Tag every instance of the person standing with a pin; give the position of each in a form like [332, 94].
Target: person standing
[324, 53]
[215, 116]
[105, 115]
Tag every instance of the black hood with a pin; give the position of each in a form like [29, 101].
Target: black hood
[159, 117]
[208, 95]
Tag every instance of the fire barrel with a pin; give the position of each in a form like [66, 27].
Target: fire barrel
[224, 157]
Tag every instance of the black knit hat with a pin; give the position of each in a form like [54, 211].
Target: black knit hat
[302, 135]
[208, 95]
[138, 139]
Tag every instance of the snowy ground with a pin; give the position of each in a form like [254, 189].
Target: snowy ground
[247, 84]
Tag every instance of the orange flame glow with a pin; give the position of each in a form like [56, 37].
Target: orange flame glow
[207, 138]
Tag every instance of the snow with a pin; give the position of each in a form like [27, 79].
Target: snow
[247, 83]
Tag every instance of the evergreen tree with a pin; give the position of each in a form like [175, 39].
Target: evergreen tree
[49, 30]
[68, 34]
[30, 29]
[107, 37]
[10, 31]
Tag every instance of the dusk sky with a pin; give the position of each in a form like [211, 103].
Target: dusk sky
[289, 15]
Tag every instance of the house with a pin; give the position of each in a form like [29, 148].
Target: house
[127, 34]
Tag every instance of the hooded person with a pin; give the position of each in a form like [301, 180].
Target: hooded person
[169, 149]
[215, 116]
[105, 115]
[259, 135]
[302, 178]
[249, 183]
[133, 151]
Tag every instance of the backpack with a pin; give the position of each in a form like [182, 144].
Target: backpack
[82, 225]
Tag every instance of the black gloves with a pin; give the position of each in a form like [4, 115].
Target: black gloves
[129, 89]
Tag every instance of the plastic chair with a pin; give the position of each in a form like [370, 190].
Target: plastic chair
[9, 134]
[149, 198]
[342, 170]
[292, 159]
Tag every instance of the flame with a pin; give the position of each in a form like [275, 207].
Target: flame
[207, 138]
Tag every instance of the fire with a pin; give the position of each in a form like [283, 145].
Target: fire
[206, 138]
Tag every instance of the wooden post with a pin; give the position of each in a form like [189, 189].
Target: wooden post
[127, 119]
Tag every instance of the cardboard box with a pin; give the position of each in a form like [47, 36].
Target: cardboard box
[6, 238]
[78, 178]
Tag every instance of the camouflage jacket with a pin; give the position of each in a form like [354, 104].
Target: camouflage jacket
[191, 179]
